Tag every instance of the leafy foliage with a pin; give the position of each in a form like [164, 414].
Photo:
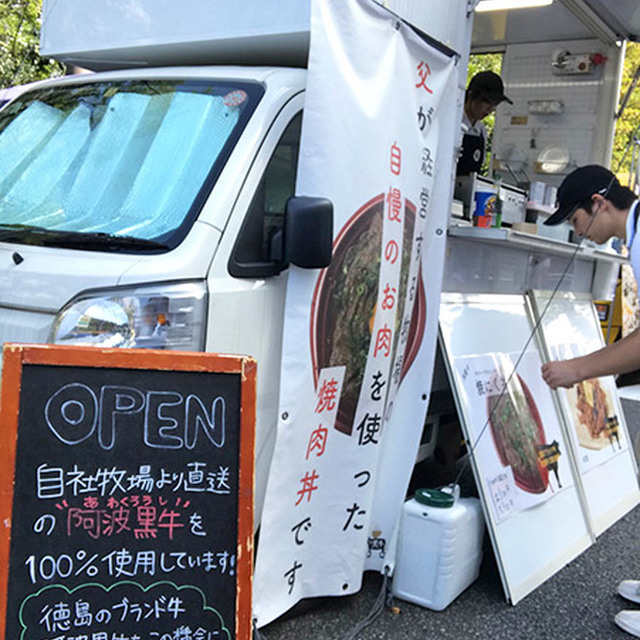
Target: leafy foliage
[484, 62]
[20, 60]
[628, 126]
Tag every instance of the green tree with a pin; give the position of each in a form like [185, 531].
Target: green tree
[627, 127]
[20, 59]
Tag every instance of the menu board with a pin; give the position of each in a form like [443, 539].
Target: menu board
[127, 482]
[517, 438]
[520, 456]
[569, 327]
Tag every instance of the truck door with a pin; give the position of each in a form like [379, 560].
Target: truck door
[246, 287]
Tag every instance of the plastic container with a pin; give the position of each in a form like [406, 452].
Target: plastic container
[439, 548]
[550, 195]
[537, 191]
[486, 211]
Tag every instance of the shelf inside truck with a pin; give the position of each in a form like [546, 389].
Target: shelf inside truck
[509, 237]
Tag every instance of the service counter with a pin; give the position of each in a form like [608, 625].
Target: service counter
[480, 260]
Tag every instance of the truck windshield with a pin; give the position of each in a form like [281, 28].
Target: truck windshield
[121, 166]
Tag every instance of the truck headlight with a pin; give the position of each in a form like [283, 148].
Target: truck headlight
[162, 316]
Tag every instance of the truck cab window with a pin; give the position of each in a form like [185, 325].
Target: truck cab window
[265, 217]
[119, 165]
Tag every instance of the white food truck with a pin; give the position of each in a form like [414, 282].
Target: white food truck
[146, 205]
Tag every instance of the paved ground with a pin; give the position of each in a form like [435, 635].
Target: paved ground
[578, 603]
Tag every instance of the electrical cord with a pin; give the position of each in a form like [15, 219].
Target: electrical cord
[257, 634]
[471, 449]
[383, 599]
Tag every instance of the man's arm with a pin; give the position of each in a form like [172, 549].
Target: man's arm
[620, 357]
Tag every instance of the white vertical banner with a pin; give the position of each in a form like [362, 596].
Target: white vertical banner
[359, 336]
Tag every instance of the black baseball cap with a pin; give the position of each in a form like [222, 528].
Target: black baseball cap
[489, 85]
[578, 187]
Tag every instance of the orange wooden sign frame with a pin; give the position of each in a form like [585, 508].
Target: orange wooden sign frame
[15, 356]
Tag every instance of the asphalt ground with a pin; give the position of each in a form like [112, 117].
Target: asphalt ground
[577, 603]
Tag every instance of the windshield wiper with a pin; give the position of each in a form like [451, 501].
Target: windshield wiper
[27, 234]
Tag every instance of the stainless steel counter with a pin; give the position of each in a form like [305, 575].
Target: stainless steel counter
[502, 260]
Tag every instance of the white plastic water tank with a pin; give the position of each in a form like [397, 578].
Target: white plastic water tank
[439, 548]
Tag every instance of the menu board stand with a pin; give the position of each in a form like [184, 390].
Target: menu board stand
[522, 463]
[595, 422]
[127, 493]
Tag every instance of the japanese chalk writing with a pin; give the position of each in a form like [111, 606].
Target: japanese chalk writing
[123, 563]
[55, 482]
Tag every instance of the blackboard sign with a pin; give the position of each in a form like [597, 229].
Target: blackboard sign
[127, 494]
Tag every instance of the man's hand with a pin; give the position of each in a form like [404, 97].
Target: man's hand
[561, 373]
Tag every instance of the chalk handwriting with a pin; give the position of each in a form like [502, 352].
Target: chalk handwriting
[54, 482]
[166, 419]
[123, 563]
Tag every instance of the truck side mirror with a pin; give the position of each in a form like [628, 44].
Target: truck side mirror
[308, 232]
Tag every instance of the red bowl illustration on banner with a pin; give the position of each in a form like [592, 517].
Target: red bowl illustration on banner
[517, 431]
[344, 303]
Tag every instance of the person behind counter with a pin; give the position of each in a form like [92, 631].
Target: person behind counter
[484, 93]
[599, 208]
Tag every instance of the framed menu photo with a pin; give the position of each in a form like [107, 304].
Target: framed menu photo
[126, 493]
[520, 457]
[570, 327]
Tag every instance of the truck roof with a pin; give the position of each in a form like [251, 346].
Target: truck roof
[274, 77]
[258, 74]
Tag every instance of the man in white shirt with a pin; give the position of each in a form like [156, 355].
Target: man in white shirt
[599, 208]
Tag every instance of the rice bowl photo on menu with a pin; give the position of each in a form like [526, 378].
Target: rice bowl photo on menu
[518, 434]
[515, 435]
[594, 418]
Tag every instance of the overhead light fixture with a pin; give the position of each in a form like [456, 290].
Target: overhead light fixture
[501, 5]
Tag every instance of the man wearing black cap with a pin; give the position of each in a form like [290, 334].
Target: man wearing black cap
[484, 93]
[599, 208]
